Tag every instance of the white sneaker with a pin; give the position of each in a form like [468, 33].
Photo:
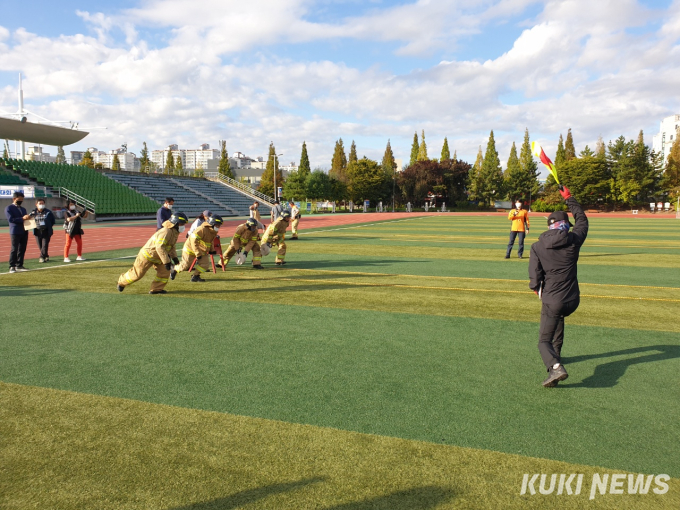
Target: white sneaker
[80, 258]
[67, 259]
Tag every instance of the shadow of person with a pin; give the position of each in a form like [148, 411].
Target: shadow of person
[29, 291]
[607, 375]
[249, 496]
[421, 498]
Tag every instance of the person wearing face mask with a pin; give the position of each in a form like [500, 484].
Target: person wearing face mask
[553, 277]
[518, 229]
[74, 229]
[16, 215]
[197, 248]
[163, 214]
[44, 221]
[158, 252]
[198, 222]
[243, 241]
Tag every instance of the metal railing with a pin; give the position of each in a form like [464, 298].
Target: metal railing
[243, 188]
[68, 194]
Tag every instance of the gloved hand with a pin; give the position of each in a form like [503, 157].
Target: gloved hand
[213, 252]
[245, 253]
[175, 261]
[269, 244]
[564, 191]
[168, 266]
[238, 251]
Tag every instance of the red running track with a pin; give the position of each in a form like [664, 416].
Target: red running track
[105, 237]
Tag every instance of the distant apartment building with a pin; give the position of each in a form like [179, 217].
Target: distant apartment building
[192, 159]
[127, 160]
[668, 132]
[36, 153]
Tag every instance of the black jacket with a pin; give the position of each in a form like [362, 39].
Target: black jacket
[554, 257]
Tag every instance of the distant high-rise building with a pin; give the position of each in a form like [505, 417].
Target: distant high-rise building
[668, 132]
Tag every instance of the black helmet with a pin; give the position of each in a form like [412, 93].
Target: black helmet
[251, 223]
[179, 218]
[215, 220]
[285, 215]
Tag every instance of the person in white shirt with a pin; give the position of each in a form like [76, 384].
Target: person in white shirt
[199, 221]
[295, 217]
[255, 214]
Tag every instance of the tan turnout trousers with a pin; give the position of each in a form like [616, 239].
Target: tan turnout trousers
[197, 247]
[276, 235]
[158, 251]
[244, 239]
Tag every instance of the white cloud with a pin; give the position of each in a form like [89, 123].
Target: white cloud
[577, 65]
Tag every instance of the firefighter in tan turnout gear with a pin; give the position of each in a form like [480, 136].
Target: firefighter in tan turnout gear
[276, 234]
[159, 252]
[245, 239]
[197, 247]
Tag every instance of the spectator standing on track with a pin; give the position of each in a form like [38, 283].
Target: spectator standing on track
[553, 276]
[203, 217]
[255, 214]
[16, 215]
[74, 229]
[163, 214]
[519, 228]
[295, 219]
[276, 211]
[44, 221]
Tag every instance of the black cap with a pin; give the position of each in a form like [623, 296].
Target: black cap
[559, 216]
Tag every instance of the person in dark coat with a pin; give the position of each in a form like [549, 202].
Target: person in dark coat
[16, 215]
[553, 276]
[163, 214]
[44, 221]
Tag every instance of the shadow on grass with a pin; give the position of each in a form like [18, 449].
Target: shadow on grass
[607, 375]
[335, 264]
[249, 496]
[421, 498]
[11, 291]
[610, 254]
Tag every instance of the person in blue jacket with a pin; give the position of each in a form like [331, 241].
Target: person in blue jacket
[16, 215]
[44, 221]
[163, 214]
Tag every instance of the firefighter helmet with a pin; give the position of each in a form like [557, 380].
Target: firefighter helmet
[179, 218]
[215, 220]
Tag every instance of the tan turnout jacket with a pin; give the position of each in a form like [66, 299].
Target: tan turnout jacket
[161, 246]
[201, 241]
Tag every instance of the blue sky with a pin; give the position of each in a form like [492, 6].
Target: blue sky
[169, 71]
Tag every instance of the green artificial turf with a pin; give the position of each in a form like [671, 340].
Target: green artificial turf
[367, 331]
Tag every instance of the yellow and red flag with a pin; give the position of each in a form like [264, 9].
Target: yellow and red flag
[538, 152]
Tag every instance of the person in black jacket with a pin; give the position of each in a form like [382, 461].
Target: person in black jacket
[44, 221]
[552, 275]
[16, 215]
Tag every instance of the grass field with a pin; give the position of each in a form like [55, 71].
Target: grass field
[389, 365]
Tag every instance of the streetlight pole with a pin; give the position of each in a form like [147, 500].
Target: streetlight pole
[276, 190]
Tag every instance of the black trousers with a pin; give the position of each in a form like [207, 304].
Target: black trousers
[520, 248]
[43, 240]
[16, 254]
[551, 334]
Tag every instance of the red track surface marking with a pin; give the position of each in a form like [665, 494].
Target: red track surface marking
[105, 238]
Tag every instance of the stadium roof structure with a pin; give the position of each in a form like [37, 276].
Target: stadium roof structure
[32, 132]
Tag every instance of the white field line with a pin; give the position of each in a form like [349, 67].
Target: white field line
[74, 264]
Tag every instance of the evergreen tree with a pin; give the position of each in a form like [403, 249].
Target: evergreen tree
[516, 183]
[295, 187]
[569, 149]
[87, 159]
[179, 166]
[587, 152]
[422, 150]
[353, 153]
[267, 180]
[339, 162]
[115, 166]
[670, 182]
[529, 166]
[587, 178]
[61, 157]
[304, 169]
[445, 155]
[366, 181]
[414, 149]
[224, 167]
[169, 164]
[491, 174]
[455, 156]
[561, 155]
[388, 164]
[476, 185]
[144, 161]
[5, 154]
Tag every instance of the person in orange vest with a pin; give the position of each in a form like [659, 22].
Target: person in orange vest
[519, 228]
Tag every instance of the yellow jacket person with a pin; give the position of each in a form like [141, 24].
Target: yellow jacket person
[245, 239]
[197, 247]
[276, 234]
